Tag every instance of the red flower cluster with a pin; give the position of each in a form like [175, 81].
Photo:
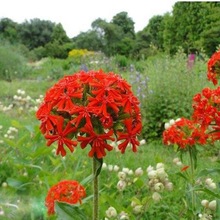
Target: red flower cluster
[205, 123]
[184, 133]
[214, 68]
[67, 191]
[91, 108]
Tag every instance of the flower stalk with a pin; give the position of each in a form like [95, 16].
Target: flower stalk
[95, 189]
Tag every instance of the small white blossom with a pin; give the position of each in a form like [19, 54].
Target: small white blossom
[121, 185]
[156, 197]
[111, 212]
[212, 205]
[122, 175]
[138, 172]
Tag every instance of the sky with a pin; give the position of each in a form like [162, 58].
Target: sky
[76, 16]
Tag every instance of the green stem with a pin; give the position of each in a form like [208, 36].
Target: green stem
[95, 190]
[192, 183]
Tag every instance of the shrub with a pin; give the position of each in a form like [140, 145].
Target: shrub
[12, 63]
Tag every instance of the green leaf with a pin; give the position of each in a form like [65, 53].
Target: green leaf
[69, 212]
[206, 172]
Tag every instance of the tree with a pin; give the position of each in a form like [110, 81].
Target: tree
[36, 33]
[9, 30]
[126, 23]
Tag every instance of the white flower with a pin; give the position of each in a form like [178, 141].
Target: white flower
[149, 168]
[156, 197]
[142, 142]
[122, 175]
[208, 181]
[116, 168]
[104, 166]
[138, 172]
[110, 167]
[212, 186]
[152, 174]
[130, 172]
[176, 160]
[212, 205]
[161, 173]
[169, 186]
[159, 165]
[167, 125]
[137, 209]
[121, 185]
[172, 122]
[205, 203]
[126, 170]
[159, 187]
[111, 212]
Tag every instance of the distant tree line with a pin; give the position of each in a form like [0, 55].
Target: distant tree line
[194, 26]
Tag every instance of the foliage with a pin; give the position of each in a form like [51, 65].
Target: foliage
[170, 88]
[12, 62]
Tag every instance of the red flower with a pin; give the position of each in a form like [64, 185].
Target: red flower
[129, 135]
[90, 108]
[214, 68]
[67, 191]
[61, 136]
[185, 133]
[98, 142]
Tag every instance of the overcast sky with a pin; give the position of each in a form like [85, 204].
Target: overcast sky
[77, 15]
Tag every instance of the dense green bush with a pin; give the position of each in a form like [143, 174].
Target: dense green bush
[12, 62]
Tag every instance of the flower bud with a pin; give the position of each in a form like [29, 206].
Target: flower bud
[166, 125]
[205, 203]
[122, 175]
[111, 212]
[169, 186]
[156, 197]
[212, 185]
[149, 168]
[142, 142]
[121, 185]
[116, 168]
[152, 174]
[137, 209]
[212, 205]
[161, 173]
[208, 181]
[139, 172]
[110, 167]
[159, 165]
[159, 187]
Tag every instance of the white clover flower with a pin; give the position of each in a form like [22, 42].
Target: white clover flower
[169, 186]
[122, 175]
[121, 185]
[156, 197]
[110, 167]
[152, 174]
[130, 172]
[125, 169]
[212, 205]
[179, 164]
[116, 168]
[4, 184]
[138, 172]
[159, 165]
[123, 216]
[161, 173]
[137, 209]
[2, 212]
[104, 166]
[111, 212]
[166, 125]
[159, 187]
[149, 168]
[205, 203]
[142, 142]
[176, 160]
[208, 181]
[172, 122]
[212, 186]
